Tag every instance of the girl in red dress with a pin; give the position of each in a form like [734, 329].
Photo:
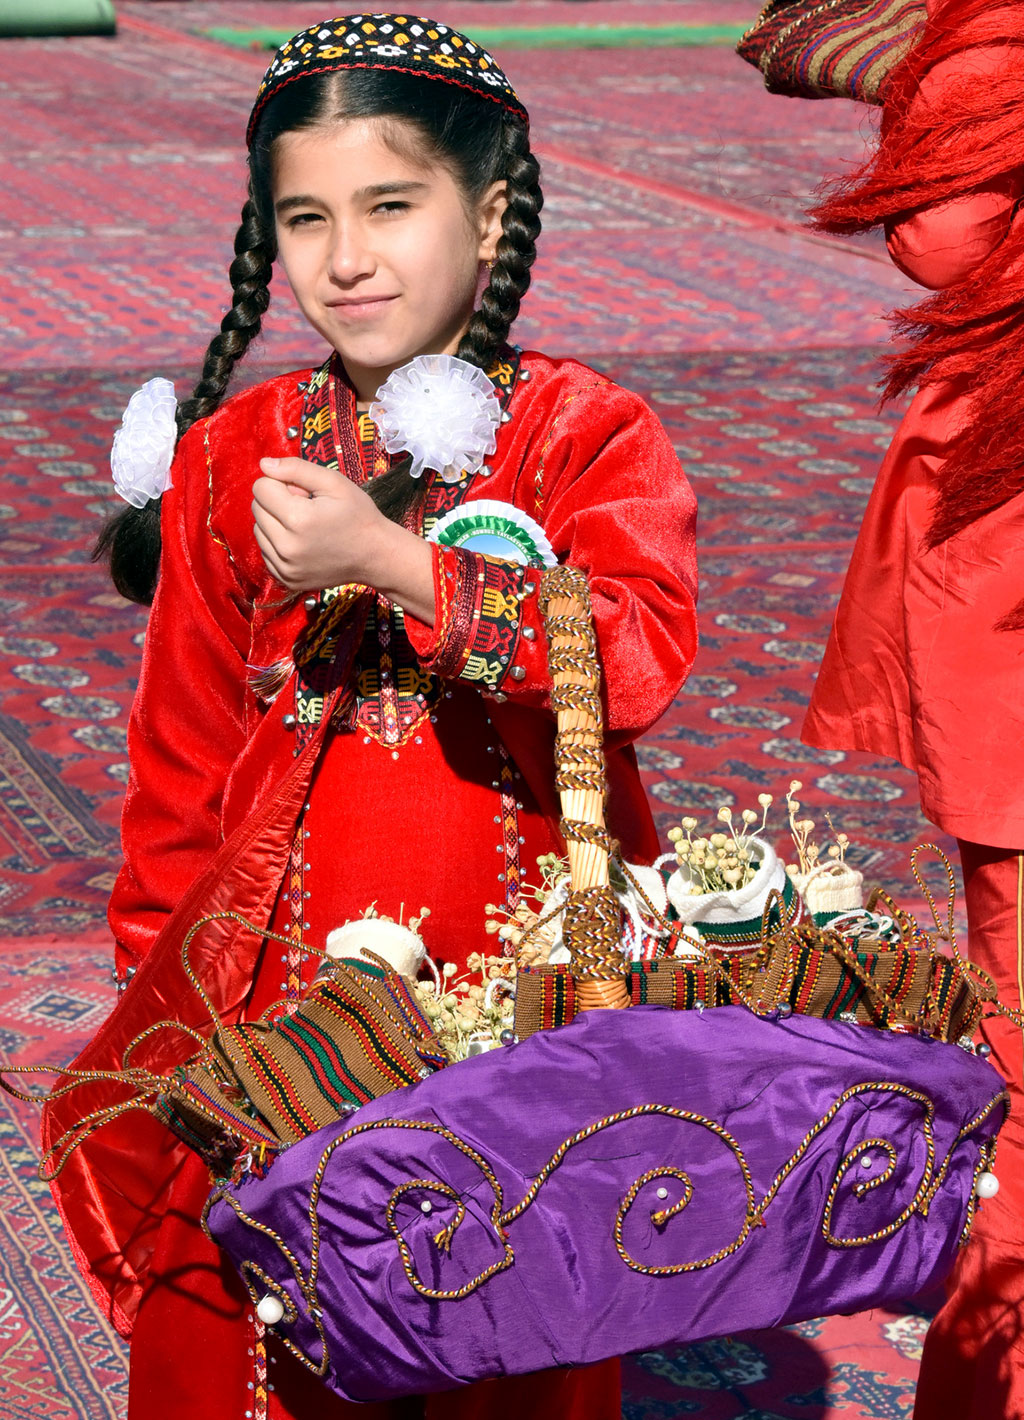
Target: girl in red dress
[392, 181]
[925, 663]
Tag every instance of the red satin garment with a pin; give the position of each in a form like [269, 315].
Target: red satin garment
[940, 245]
[915, 669]
[593, 465]
[973, 1362]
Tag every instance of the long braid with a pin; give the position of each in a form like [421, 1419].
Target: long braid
[249, 274]
[395, 493]
[516, 251]
[131, 539]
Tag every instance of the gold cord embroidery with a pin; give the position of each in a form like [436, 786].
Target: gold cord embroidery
[753, 1213]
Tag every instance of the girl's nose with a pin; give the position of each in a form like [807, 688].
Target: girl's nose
[350, 256]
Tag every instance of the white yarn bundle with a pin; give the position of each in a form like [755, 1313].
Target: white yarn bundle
[143, 447]
[401, 947]
[441, 411]
[830, 887]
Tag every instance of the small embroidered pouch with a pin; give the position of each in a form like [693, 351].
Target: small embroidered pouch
[357, 1034]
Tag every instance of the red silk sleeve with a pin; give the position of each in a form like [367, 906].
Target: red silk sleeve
[615, 503]
[938, 246]
[187, 723]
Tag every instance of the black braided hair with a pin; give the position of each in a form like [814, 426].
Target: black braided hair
[516, 252]
[249, 274]
[396, 493]
[131, 539]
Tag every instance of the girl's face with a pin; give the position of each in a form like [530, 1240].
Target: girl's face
[382, 251]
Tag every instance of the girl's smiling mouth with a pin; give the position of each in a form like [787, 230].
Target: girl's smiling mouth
[360, 305]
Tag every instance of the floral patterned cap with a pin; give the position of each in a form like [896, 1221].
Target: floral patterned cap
[404, 42]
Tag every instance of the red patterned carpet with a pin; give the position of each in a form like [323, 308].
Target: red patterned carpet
[673, 260]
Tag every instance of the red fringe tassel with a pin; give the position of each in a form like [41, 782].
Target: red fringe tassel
[965, 134]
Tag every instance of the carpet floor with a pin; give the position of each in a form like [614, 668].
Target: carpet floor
[674, 260]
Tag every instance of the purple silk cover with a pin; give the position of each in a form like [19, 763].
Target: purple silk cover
[636, 1178]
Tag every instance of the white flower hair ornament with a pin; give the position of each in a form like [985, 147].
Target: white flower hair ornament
[441, 411]
[140, 457]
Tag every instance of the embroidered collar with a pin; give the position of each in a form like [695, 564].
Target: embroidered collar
[329, 436]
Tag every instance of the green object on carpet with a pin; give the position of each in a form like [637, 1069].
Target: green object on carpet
[23, 19]
[537, 36]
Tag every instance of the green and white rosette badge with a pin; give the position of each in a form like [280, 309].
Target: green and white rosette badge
[143, 448]
[497, 530]
[444, 413]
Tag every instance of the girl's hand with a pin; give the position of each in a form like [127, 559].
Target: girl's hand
[315, 528]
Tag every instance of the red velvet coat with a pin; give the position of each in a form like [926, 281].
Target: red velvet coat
[594, 466]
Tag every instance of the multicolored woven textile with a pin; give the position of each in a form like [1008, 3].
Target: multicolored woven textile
[264, 1084]
[880, 990]
[841, 49]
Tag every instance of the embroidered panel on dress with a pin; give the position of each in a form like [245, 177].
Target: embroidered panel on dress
[259, 1383]
[393, 692]
[510, 834]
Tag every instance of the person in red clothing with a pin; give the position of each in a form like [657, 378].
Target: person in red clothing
[925, 663]
[392, 179]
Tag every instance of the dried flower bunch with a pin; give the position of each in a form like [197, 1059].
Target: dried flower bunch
[470, 1012]
[721, 861]
[800, 830]
[533, 930]
[729, 858]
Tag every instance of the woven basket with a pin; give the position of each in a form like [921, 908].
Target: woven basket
[624, 1183]
[796, 965]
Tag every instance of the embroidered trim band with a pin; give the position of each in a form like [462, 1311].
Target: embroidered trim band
[406, 43]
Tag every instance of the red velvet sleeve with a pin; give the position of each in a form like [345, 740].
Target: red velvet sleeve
[615, 503]
[940, 245]
[187, 721]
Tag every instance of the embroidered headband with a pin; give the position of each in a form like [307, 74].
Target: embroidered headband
[404, 43]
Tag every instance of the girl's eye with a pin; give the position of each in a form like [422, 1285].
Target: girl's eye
[303, 219]
[390, 209]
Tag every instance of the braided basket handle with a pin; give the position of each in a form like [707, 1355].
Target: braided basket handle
[592, 922]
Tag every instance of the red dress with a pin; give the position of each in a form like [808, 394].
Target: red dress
[916, 669]
[438, 793]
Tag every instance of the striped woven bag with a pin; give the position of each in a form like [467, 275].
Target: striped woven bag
[808, 970]
[254, 1088]
[261, 1085]
[839, 49]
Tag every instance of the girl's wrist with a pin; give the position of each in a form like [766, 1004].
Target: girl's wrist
[401, 567]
